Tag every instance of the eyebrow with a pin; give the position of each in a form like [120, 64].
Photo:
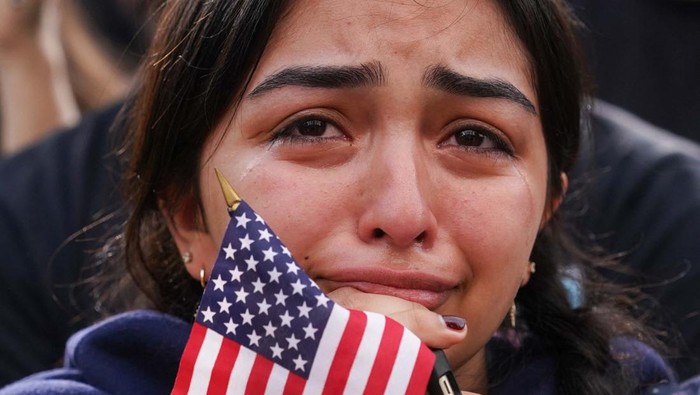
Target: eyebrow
[366, 74]
[442, 78]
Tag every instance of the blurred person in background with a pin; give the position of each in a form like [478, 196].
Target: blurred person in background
[52, 192]
[62, 58]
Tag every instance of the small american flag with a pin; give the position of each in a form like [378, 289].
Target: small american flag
[264, 327]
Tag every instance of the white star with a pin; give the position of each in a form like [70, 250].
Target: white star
[208, 315]
[224, 305]
[298, 287]
[258, 218]
[304, 310]
[293, 341]
[276, 351]
[242, 221]
[263, 306]
[235, 274]
[310, 332]
[254, 338]
[258, 286]
[285, 251]
[241, 294]
[269, 254]
[274, 275]
[219, 283]
[281, 298]
[246, 242]
[251, 263]
[231, 326]
[270, 329]
[322, 300]
[229, 250]
[299, 363]
[292, 267]
[265, 235]
[286, 319]
[247, 317]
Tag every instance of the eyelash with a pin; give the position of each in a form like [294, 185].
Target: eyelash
[500, 144]
[285, 133]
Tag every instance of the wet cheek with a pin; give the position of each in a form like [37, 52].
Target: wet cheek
[299, 207]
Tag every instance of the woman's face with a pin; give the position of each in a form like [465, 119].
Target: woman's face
[396, 148]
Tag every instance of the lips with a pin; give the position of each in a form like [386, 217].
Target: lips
[426, 289]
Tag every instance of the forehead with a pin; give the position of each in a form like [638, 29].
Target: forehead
[470, 36]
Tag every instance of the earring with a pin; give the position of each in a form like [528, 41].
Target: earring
[187, 257]
[511, 314]
[532, 267]
[202, 278]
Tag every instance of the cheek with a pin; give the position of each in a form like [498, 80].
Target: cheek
[299, 206]
[496, 221]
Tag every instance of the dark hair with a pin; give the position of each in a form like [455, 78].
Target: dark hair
[197, 69]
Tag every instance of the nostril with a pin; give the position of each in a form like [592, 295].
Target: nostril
[420, 238]
[377, 233]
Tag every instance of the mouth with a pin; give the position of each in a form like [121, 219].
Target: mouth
[425, 289]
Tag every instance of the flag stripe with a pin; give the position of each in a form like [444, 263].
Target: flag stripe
[259, 375]
[362, 366]
[385, 357]
[421, 372]
[278, 378]
[205, 362]
[403, 367]
[295, 385]
[189, 356]
[240, 374]
[222, 368]
[345, 354]
[326, 351]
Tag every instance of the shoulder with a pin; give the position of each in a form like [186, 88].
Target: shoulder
[135, 352]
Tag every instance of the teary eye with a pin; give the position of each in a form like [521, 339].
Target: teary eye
[472, 138]
[311, 127]
[308, 129]
[478, 139]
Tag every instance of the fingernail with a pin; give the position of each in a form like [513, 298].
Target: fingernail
[455, 323]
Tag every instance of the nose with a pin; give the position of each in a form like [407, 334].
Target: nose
[397, 200]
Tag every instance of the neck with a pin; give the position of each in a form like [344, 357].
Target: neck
[472, 376]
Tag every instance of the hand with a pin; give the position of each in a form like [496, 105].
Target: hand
[430, 327]
[19, 21]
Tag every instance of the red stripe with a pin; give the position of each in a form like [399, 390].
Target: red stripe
[189, 357]
[221, 373]
[345, 353]
[421, 371]
[295, 384]
[384, 360]
[259, 375]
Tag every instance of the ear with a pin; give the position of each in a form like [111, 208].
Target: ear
[555, 201]
[190, 235]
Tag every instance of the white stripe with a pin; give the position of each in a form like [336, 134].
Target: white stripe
[204, 364]
[404, 364]
[327, 349]
[362, 366]
[241, 371]
[278, 378]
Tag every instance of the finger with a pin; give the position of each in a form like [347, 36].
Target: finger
[433, 329]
